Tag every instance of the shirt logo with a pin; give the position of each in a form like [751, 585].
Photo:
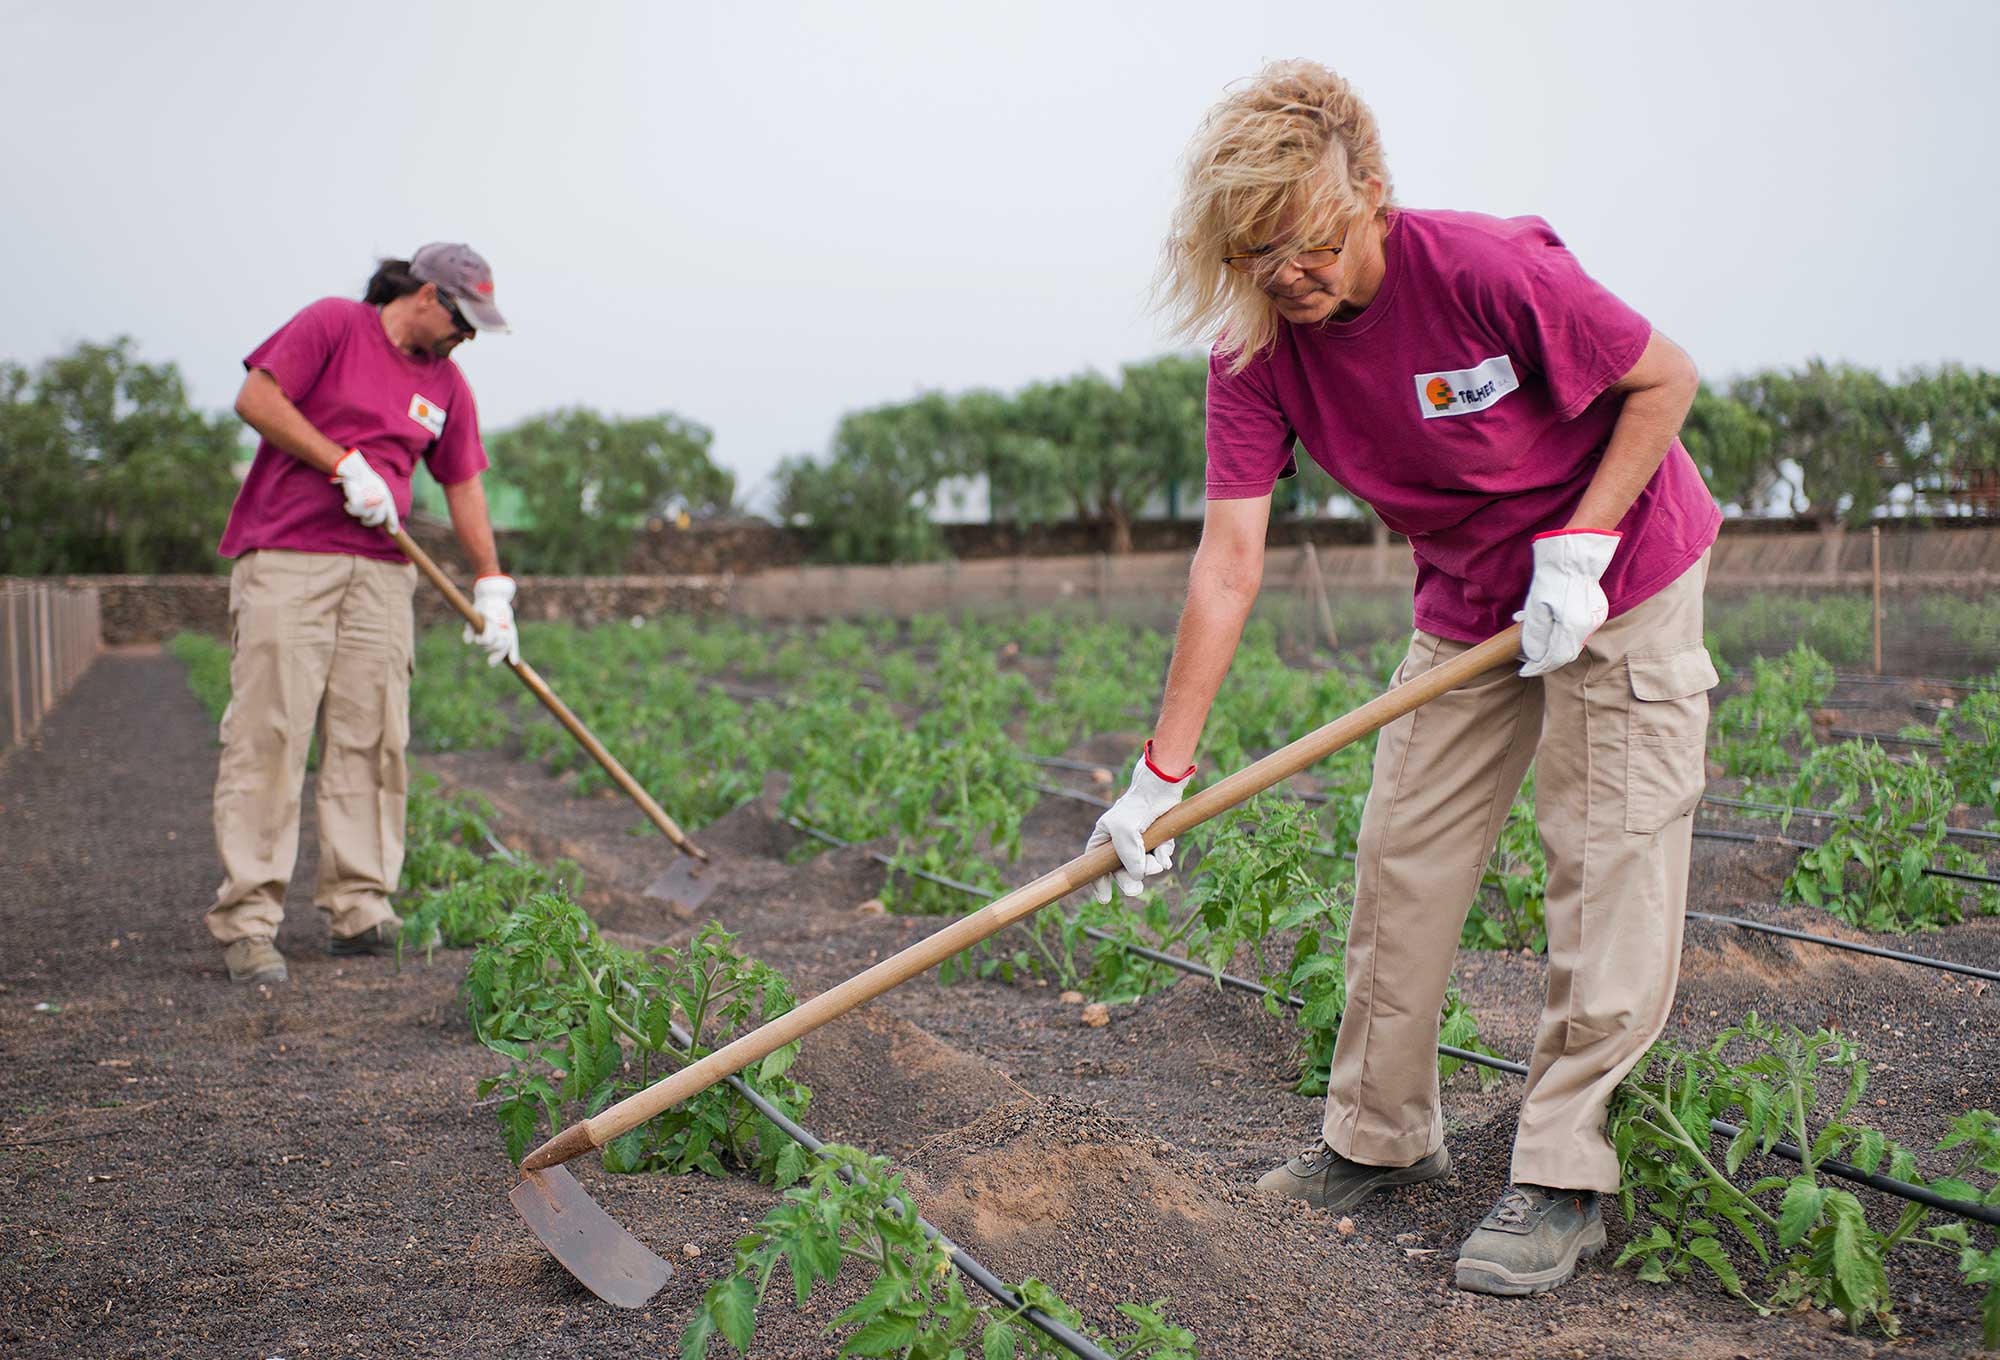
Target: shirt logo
[1466, 390]
[428, 414]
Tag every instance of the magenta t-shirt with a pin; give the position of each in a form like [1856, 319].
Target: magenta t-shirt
[338, 367]
[1468, 405]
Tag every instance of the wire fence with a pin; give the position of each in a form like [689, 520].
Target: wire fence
[49, 635]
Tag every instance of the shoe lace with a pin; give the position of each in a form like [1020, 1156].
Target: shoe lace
[1316, 1154]
[1513, 1208]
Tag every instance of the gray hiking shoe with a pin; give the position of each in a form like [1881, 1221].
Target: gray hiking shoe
[1320, 1176]
[254, 960]
[1531, 1241]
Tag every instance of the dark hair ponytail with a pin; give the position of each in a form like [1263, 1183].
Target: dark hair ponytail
[392, 279]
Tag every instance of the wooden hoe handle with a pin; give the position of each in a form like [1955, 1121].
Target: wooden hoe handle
[1024, 901]
[540, 689]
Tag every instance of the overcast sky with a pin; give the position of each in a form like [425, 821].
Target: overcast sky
[763, 216]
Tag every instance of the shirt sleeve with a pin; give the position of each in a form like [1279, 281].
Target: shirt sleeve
[1249, 437]
[458, 454]
[1566, 326]
[297, 353]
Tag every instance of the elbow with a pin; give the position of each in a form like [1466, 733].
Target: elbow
[1234, 574]
[1686, 379]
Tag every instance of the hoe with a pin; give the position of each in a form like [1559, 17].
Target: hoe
[619, 1269]
[689, 880]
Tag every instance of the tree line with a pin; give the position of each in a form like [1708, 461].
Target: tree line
[1830, 443]
[107, 468]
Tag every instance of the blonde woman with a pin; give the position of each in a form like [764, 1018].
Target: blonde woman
[1464, 376]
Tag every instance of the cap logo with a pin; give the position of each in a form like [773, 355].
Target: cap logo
[484, 286]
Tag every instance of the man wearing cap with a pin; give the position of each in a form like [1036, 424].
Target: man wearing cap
[346, 398]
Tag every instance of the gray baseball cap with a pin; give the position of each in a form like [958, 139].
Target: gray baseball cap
[462, 273]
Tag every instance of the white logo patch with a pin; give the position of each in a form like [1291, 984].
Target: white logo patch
[1466, 390]
[428, 414]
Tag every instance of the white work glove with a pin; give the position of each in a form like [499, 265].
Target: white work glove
[1565, 603]
[1125, 822]
[493, 597]
[368, 496]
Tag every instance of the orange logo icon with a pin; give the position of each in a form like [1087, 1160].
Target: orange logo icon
[1439, 392]
[423, 411]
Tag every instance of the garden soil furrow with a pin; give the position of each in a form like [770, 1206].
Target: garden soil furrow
[303, 1170]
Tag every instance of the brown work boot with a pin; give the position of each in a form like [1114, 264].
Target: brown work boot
[255, 959]
[1531, 1240]
[1322, 1177]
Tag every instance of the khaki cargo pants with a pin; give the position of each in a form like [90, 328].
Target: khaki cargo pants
[1616, 738]
[317, 639]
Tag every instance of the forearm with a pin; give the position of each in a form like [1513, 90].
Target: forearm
[1220, 594]
[265, 408]
[466, 501]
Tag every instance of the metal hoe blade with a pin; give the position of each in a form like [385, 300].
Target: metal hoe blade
[611, 1263]
[686, 883]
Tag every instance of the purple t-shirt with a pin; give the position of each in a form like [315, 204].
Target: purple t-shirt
[336, 364]
[1468, 405]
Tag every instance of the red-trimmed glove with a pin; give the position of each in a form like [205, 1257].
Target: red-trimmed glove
[1152, 792]
[1565, 602]
[368, 497]
[493, 597]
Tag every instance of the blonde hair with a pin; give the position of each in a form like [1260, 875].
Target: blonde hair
[1292, 145]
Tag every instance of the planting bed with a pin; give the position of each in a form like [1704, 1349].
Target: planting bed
[306, 1170]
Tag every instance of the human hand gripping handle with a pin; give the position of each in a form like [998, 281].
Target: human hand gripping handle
[493, 597]
[1565, 603]
[368, 497]
[1151, 793]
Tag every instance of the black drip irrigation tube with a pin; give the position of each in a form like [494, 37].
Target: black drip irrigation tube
[1841, 678]
[1856, 734]
[1888, 1185]
[1792, 842]
[1941, 965]
[1965, 833]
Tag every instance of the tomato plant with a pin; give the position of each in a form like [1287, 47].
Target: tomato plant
[1870, 871]
[584, 1023]
[854, 1210]
[1799, 1239]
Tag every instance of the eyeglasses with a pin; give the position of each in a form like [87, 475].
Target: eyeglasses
[1313, 257]
[457, 317]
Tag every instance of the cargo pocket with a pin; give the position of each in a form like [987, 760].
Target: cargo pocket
[1665, 735]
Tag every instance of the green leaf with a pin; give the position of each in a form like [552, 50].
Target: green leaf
[778, 1063]
[1854, 1268]
[733, 1304]
[1869, 1149]
[694, 1340]
[1710, 1253]
[1799, 1211]
[885, 1335]
[998, 1343]
[790, 1164]
[1953, 1188]
[1744, 1226]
